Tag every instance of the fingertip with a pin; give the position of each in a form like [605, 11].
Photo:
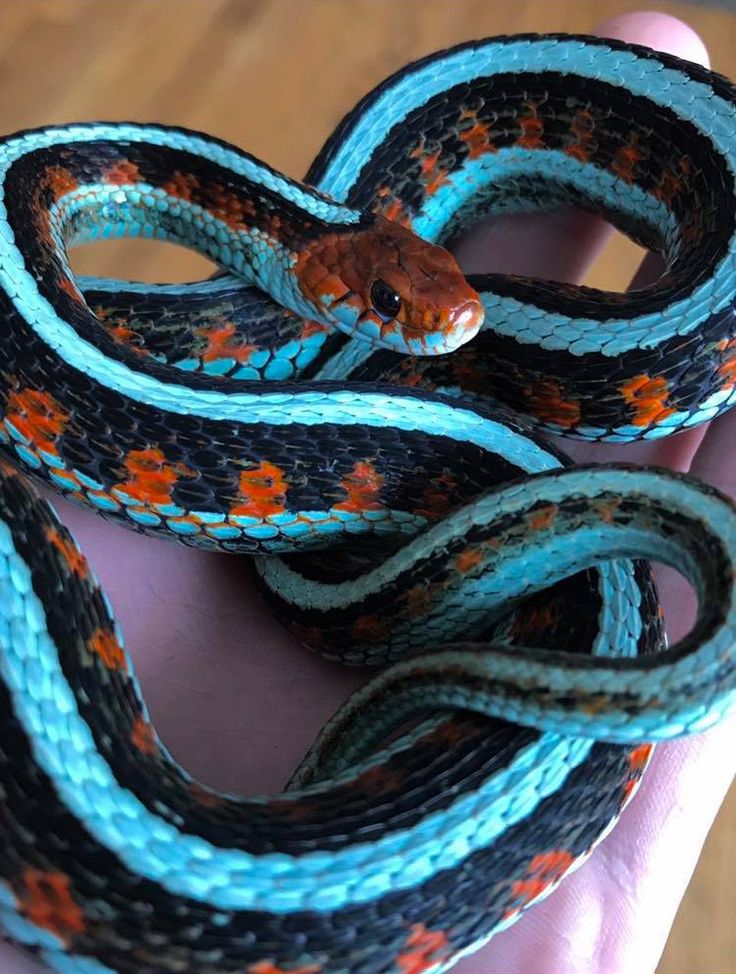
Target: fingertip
[660, 31]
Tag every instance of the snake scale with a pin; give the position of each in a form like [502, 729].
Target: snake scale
[302, 400]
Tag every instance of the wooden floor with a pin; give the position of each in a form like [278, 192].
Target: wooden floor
[275, 76]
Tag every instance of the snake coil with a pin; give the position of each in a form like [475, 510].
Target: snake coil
[481, 553]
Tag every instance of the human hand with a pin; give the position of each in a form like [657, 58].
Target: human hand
[237, 700]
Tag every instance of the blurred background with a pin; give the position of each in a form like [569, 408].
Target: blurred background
[274, 77]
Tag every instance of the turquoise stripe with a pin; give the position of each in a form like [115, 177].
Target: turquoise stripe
[619, 620]
[192, 288]
[52, 952]
[353, 353]
[187, 865]
[277, 408]
[527, 323]
[673, 694]
[73, 964]
[490, 171]
[668, 87]
[238, 162]
[684, 694]
[24, 932]
[130, 211]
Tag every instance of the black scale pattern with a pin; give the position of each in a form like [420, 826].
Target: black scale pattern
[39, 832]
[521, 374]
[177, 934]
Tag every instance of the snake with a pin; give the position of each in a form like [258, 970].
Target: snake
[343, 405]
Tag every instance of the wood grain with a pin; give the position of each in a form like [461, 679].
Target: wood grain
[275, 76]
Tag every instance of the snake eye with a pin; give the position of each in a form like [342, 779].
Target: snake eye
[386, 302]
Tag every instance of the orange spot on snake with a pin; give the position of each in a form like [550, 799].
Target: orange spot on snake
[627, 158]
[449, 734]
[672, 181]
[67, 285]
[582, 128]
[532, 128]
[294, 811]
[410, 379]
[543, 870]
[105, 644]
[363, 488]
[418, 600]
[143, 737]
[639, 757]
[418, 151]
[60, 181]
[222, 343]
[547, 402]
[203, 796]
[606, 508]
[542, 518]
[234, 210]
[151, 477]
[432, 176]
[470, 375]
[127, 336]
[71, 555]
[638, 761]
[119, 330]
[262, 491]
[397, 213]
[535, 621]
[123, 173]
[370, 629]
[477, 137]
[391, 207]
[727, 368]
[182, 185]
[378, 780]
[628, 790]
[468, 559]
[436, 498]
[424, 950]
[648, 397]
[46, 899]
[37, 416]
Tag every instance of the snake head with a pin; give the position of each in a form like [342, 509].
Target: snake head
[384, 284]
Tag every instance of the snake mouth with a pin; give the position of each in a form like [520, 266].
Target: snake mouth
[435, 332]
[440, 332]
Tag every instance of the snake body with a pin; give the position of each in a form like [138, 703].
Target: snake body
[144, 403]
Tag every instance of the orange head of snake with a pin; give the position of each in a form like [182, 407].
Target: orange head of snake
[388, 286]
